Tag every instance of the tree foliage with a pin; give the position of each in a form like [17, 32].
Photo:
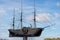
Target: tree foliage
[52, 39]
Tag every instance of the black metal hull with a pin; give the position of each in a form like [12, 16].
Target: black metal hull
[32, 32]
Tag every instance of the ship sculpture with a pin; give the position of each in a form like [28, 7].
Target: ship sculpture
[26, 31]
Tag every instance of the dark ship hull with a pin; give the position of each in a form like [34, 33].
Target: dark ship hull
[28, 32]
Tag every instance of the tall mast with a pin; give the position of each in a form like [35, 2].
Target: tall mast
[13, 19]
[34, 15]
[21, 13]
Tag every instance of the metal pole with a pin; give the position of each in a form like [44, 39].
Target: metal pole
[25, 38]
[21, 13]
[34, 15]
[13, 19]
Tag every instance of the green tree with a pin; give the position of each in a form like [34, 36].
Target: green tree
[58, 38]
[47, 39]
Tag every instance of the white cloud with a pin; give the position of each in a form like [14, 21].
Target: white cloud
[58, 3]
[2, 11]
[57, 22]
[43, 17]
[53, 28]
[29, 18]
[57, 15]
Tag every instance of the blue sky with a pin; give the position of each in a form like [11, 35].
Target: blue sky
[47, 13]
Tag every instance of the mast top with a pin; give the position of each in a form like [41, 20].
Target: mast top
[34, 14]
[21, 13]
